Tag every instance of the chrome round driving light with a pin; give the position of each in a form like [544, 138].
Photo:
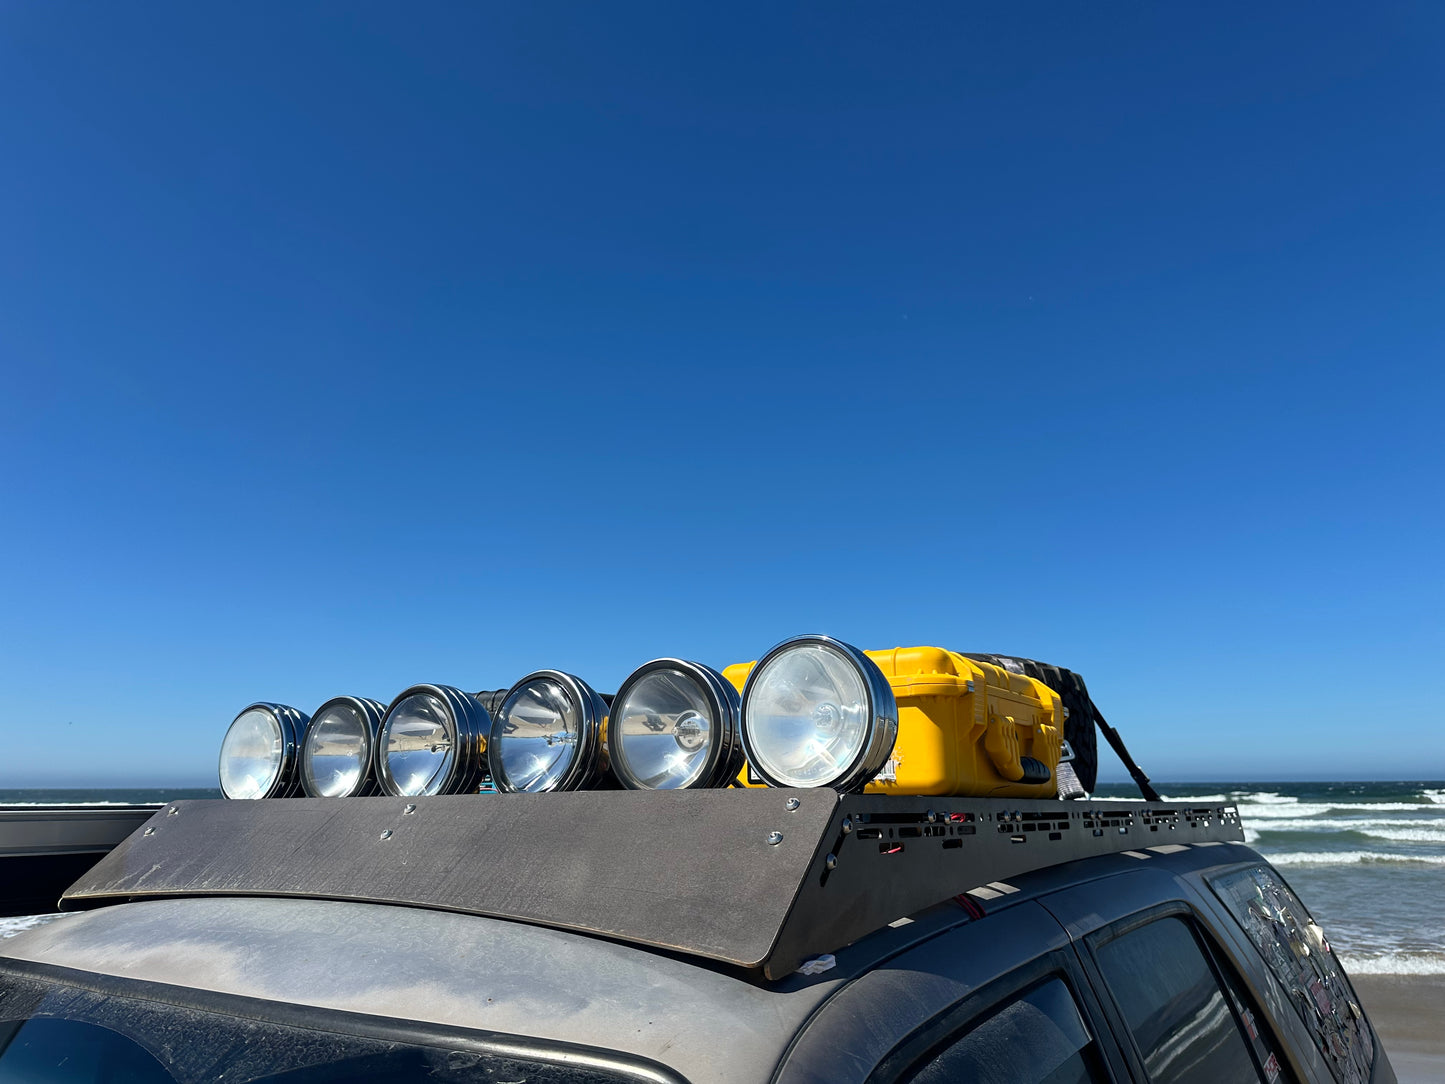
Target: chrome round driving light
[431, 742]
[548, 735]
[338, 751]
[674, 724]
[818, 713]
[258, 753]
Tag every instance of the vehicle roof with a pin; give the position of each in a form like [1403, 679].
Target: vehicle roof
[509, 977]
[413, 964]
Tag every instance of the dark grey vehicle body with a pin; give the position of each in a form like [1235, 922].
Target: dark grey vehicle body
[893, 1002]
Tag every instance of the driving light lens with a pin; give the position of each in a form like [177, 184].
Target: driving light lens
[431, 742]
[818, 713]
[548, 735]
[258, 754]
[674, 725]
[337, 752]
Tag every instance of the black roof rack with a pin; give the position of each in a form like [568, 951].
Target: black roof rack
[756, 878]
[45, 847]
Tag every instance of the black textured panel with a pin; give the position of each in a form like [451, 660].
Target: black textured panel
[685, 870]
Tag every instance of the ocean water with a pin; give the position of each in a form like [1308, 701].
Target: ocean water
[1368, 859]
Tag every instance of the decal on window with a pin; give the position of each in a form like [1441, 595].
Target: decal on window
[1300, 957]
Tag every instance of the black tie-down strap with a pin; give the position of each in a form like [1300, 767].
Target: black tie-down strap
[1079, 727]
[1116, 743]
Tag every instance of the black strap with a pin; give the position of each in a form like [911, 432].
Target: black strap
[1116, 743]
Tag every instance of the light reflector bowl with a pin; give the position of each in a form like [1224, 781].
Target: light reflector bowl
[338, 751]
[547, 735]
[431, 742]
[817, 712]
[674, 725]
[258, 753]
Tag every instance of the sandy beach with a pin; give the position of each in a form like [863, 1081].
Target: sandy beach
[1409, 1013]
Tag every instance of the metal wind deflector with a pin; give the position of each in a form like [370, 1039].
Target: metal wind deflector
[755, 878]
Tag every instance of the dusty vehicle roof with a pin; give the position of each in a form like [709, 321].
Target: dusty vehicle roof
[461, 970]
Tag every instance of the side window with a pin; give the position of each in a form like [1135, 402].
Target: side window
[1182, 1022]
[1036, 1037]
[45, 1050]
[1296, 951]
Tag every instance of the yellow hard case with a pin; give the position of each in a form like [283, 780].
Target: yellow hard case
[963, 726]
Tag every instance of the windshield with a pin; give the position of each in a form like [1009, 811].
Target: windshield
[55, 1033]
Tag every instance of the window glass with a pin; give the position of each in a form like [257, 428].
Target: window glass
[1181, 1021]
[42, 1051]
[52, 1033]
[1037, 1038]
[1297, 952]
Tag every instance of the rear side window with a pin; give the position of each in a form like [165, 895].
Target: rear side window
[1296, 951]
[47, 1051]
[54, 1033]
[1182, 1022]
[1037, 1037]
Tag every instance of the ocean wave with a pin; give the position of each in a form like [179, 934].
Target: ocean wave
[1348, 831]
[1395, 963]
[1404, 835]
[1297, 811]
[1264, 797]
[63, 805]
[1350, 858]
[1436, 796]
[1208, 798]
[1363, 824]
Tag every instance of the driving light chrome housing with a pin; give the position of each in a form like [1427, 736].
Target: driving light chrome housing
[818, 713]
[338, 753]
[431, 742]
[548, 735]
[258, 753]
[674, 724]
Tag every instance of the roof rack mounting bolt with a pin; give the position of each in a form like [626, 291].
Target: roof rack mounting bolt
[150, 830]
[792, 804]
[831, 862]
[847, 825]
[774, 838]
[386, 833]
[410, 808]
[172, 811]
[932, 817]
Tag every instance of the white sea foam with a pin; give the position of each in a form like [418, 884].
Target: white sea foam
[1420, 834]
[1285, 811]
[1395, 963]
[1264, 797]
[1207, 798]
[1351, 858]
[1437, 796]
[1417, 831]
[44, 805]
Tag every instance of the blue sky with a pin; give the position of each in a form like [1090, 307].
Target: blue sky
[349, 346]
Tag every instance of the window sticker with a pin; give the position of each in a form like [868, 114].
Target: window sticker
[1300, 957]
